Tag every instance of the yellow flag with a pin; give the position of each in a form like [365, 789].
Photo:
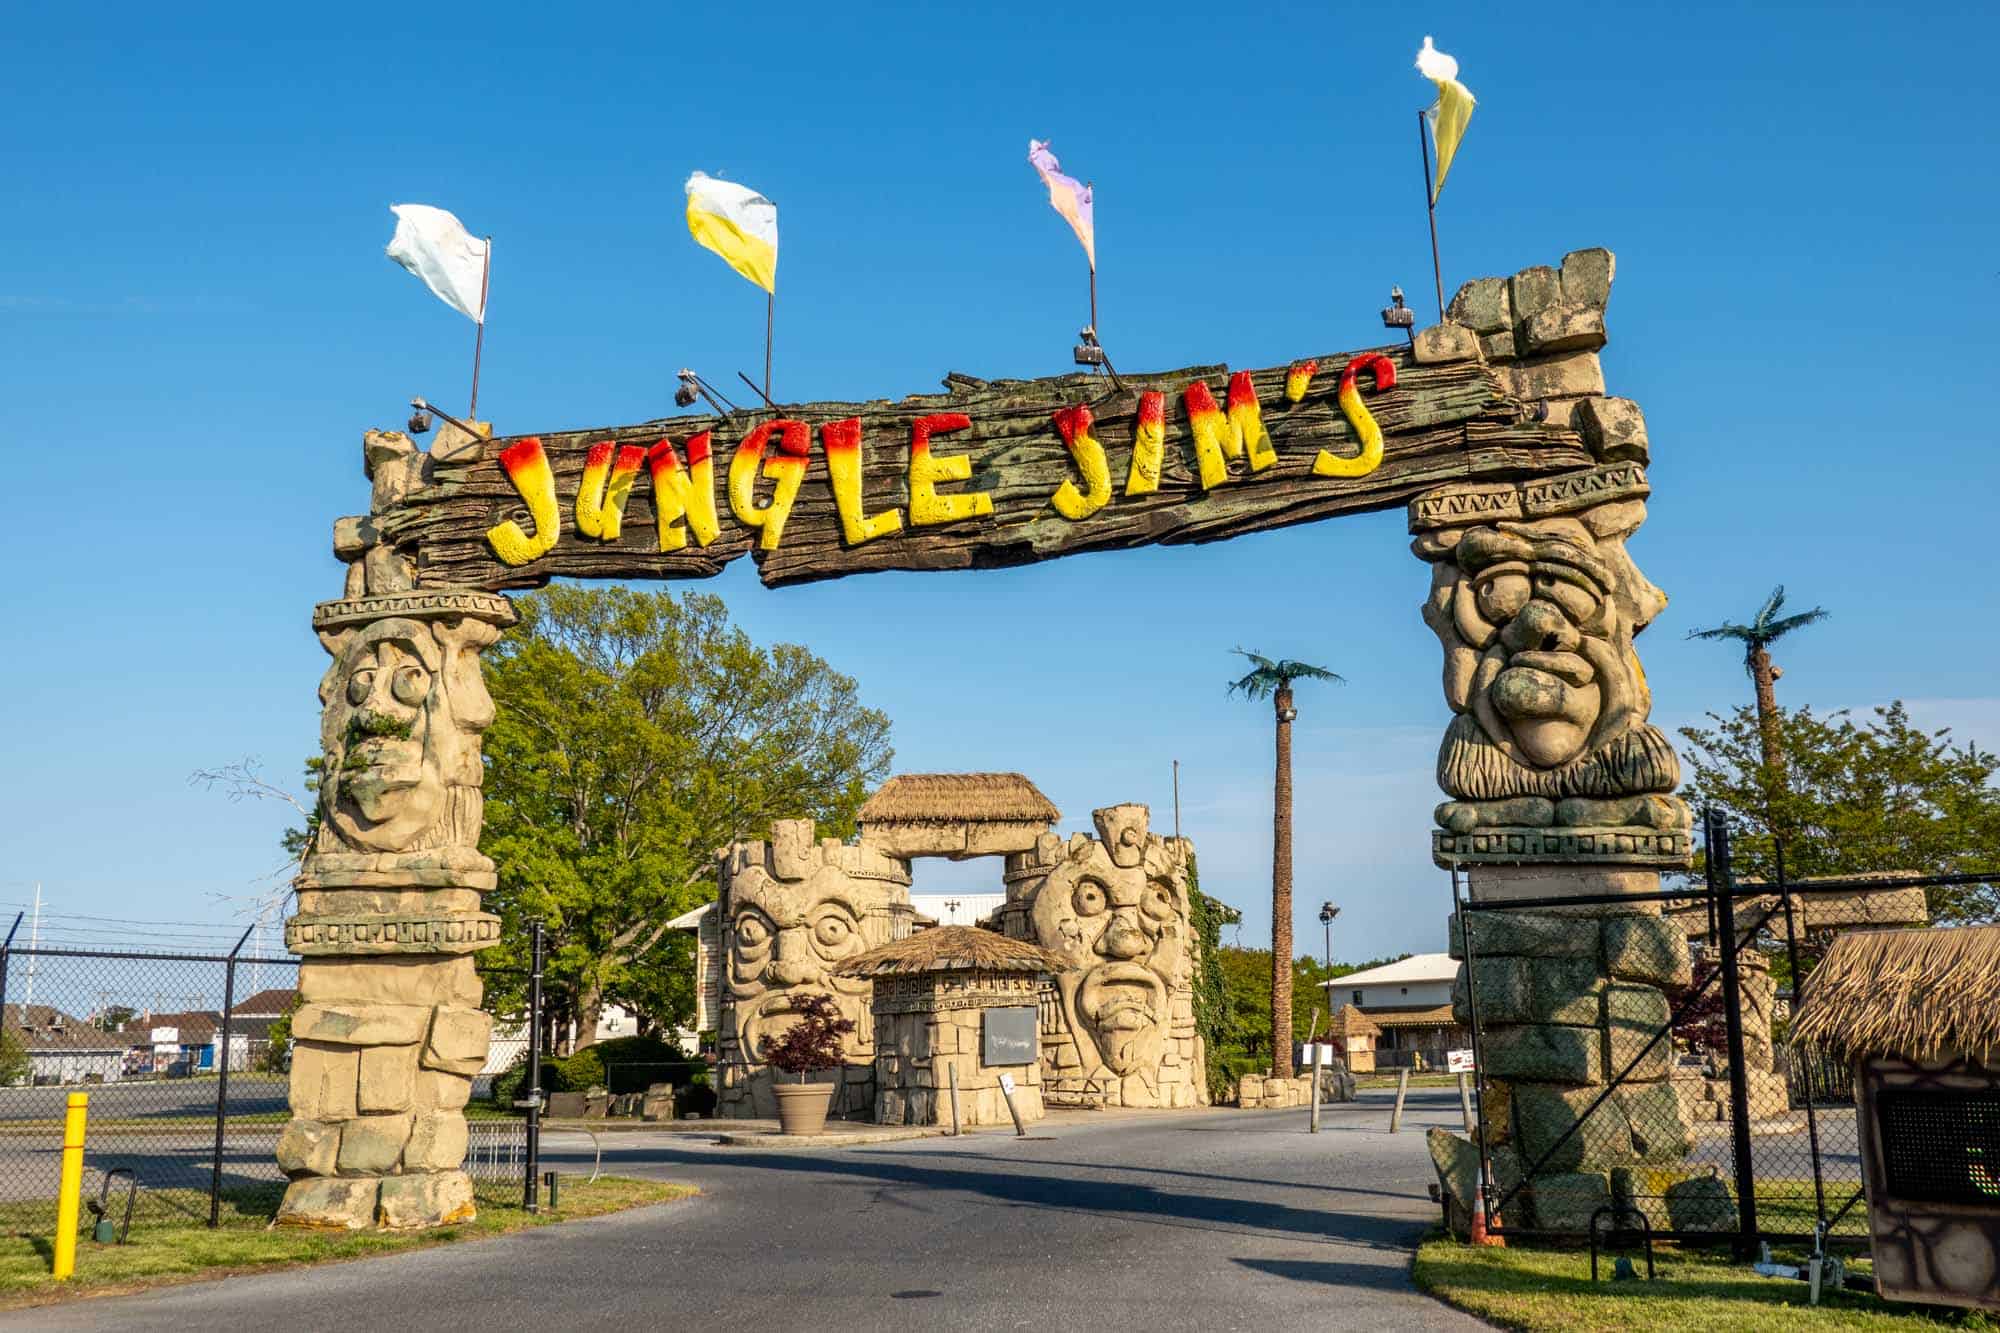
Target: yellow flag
[1454, 109]
[737, 223]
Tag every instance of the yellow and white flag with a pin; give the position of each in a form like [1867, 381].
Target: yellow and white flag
[737, 223]
[1454, 108]
[434, 245]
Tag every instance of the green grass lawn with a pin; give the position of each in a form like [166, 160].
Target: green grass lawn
[1380, 1080]
[165, 1250]
[1698, 1291]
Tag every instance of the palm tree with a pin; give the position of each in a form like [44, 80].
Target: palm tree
[1757, 638]
[1273, 680]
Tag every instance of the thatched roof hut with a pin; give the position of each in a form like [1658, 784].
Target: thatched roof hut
[1923, 995]
[951, 948]
[1348, 1021]
[958, 798]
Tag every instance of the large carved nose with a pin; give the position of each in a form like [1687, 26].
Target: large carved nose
[1123, 938]
[792, 962]
[1540, 627]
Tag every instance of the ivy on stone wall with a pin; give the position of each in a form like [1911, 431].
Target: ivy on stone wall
[1211, 1004]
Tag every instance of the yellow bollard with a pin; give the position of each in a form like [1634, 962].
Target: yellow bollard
[69, 1202]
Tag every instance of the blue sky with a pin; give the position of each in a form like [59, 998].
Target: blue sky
[197, 323]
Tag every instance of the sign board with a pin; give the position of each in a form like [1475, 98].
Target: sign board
[1458, 1062]
[1008, 1036]
[166, 1036]
[990, 473]
[1007, 1084]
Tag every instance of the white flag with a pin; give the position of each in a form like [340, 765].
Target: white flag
[435, 246]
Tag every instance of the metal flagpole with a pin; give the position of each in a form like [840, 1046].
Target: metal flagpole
[1093, 299]
[479, 339]
[1430, 206]
[770, 317]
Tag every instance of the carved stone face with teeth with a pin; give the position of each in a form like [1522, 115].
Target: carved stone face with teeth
[785, 938]
[1537, 619]
[1116, 912]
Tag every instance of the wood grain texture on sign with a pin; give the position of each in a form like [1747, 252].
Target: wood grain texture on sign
[1442, 424]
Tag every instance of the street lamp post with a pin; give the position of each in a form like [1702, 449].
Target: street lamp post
[1327, 912]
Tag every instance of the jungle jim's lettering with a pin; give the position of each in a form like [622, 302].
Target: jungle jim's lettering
[779, 451]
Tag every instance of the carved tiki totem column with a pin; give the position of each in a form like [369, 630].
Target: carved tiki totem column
[389, 1031]
[1559, 786]
[1114, 909]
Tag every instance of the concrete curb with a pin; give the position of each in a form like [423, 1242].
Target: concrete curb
[772, 1141]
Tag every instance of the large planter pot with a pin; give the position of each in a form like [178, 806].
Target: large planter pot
[802, 1107]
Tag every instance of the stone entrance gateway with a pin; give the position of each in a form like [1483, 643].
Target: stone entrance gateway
[1524, 485]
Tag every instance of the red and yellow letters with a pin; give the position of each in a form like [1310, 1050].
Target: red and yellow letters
[601, 496]
[842, 441]
[927, 507]
[684, 493]
[528, 468]
[1383, 371]
[1299, 379]
[1149, 442]
[786, 468]
[1220, 438]
[1074, 423]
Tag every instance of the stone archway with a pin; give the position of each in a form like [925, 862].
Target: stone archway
[1523, 482]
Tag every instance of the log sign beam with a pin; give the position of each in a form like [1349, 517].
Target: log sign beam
[778, 451]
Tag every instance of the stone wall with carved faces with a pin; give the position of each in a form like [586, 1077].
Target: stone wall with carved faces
[792, 910]
[1115, 909]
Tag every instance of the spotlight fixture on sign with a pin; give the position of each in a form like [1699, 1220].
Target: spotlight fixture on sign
[1396, 315]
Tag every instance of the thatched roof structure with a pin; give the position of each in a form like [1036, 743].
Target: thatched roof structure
[958, 798]
[1348, 1021]
[1920, 994]
[950, 948]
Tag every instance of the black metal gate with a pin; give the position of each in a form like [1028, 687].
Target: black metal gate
[1682, 1112]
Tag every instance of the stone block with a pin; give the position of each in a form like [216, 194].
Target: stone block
[1703, 1203]
[352, 536]
[1544, 1052]
[1653, 1122]
[1441, 344]
[437, 1142]
[1641, 947]
[1502, 986]
[1630, 1194]
[1484, 305]
[458, 1040]
[416, 979]
[1633, 1016]
[373, 1144]
[329, 1203]
[1562, 990]
[1533, 290]
[1497, 346]
[388, 1079]
[1523, 935]
[658, 1103]
[308, 1148]
[566, 1105]
[352, 1024]
[323, 1081]
[1587, 276]
[441, 1091]
[1562, 328]
[1565, 1201]
[1543, 1115]
[1249, 1090]
[1614, 429]
[431, 1199]
[1566, 375]
[793, 853]
[1456, 1161]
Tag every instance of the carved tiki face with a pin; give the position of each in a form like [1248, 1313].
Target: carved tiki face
[1537, 620]
[1116, 912]
[403, 706]
[785, 938]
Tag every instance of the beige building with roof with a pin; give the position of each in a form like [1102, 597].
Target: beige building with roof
[1410, 1001]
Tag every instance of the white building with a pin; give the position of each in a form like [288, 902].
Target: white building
[1410, 1000]
[956, 909]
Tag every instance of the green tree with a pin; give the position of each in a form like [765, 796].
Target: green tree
[1764, 629]
[1268, 679]
[14, 1062]
[1881, 794]
[635, 735]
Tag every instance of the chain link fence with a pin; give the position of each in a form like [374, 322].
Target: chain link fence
[185, 1057]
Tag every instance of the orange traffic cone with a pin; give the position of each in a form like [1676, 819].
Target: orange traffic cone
[1480, 1235]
